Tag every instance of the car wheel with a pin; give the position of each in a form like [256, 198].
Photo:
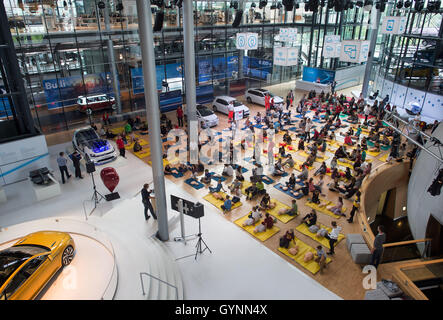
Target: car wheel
[67, 256]
[249, 99]
[214, 108]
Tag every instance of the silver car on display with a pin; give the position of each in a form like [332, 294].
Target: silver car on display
[89, 144]
[257, 96]
[225, 104]
[207, 116]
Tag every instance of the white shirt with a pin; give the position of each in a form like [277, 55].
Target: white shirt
[335, 232]
[228, 171]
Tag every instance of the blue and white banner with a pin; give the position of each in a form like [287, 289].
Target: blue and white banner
[318, 75]
[354, 51]
[285, 56]
[247, 41]
[393, 25]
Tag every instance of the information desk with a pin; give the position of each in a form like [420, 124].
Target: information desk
[309, 86]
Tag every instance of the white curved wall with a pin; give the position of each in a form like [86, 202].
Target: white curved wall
[420, 202]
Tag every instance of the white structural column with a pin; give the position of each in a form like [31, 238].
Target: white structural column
[153, 113]
[188, 38]
[111, 60]
[374, 33]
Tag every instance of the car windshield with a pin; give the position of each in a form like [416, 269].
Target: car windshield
[410, 112]
[204, 112]
[11, 259]
[86, 135]
[237, 104]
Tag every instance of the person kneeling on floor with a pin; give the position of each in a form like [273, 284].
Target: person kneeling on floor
[287, 238]
[227, 205]
[253, 218]
[320, 258]
[267, 223]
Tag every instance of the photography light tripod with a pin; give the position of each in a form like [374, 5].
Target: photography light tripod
[198, 246]
[96, 196]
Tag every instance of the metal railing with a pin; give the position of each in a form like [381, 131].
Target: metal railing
[154, 277]
[406, 250]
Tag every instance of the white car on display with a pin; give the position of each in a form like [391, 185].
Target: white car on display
[88, 143]
[224, 104]
[257, 96]
[207, 116]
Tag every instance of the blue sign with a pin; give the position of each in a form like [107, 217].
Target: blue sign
[170, 100]
[5, 107]
[313, 74]
[390, 25]
[217, 68]
[205, 94]
[256, 68]
[65, 91]
[173, 70]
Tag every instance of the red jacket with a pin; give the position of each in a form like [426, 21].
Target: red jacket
[120, 143]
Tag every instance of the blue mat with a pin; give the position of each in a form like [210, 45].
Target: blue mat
[267, 180]
[177, 175]
[165, 139]
[316, 120]
[247, 159]
[299, 116]
[243, 169]
[216, 178]
[199, 186]
[258, 126]
[279, 186]
[218, 133]
[293, 129]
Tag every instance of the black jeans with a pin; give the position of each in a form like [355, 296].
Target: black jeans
[376, 257]
[148, 206]
[180, 121]
[122, 152]
[78, 171]
[331, 243]
[351, 218]
[63, 170]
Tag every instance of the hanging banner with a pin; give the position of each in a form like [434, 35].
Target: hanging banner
[247, 41]
[280, 56]
[354, 51]
[287, 34]
[393, 25]
[332, 46]
[292, 56]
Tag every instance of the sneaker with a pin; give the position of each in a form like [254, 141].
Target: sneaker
[330, 253]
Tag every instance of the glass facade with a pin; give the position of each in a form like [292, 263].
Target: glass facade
[62, 47]
[415, 58]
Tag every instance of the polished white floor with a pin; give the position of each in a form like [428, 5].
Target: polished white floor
[238, 268]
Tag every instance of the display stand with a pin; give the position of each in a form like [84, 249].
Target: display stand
[47, 191]
[182, 210]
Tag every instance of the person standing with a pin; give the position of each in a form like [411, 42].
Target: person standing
[333, 236]
[267, 103]
[62, 165]
[288, 100]
[355, 206]
[377, 250]
[121, 146]
[105, 118]
[180, 116]
[308, 127]
[367, 111]
[146, 199]
[321, 258]
[333, 84]
[76, 157]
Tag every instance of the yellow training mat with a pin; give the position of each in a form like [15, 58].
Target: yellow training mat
[318, 158]
[373, 154]
[263, 236]
[303, 248]
[245, 185]
[303, 228]
[384, 158]
[333, 143]
[344, 164]
[143, 153]
[324, 210]
[166, 162]
[285, 218]
[298, 163]
[218, 203]
[131, 145]
[117, 130]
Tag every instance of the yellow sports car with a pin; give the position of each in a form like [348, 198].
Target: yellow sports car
[27, 266]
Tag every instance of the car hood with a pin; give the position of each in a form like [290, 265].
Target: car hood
[241, 108]
[48, 239]
[211, 117]
[278, 99]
